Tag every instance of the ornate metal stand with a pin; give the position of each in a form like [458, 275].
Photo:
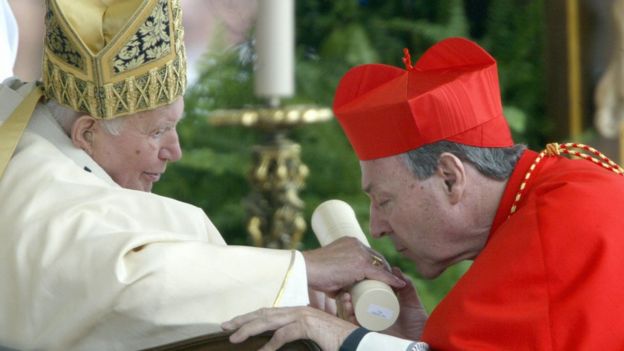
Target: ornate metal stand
[274, 208]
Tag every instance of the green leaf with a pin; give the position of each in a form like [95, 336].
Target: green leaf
[516, 118]
[351, 43]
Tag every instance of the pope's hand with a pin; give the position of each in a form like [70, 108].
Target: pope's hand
[290, 324]
[344, 262]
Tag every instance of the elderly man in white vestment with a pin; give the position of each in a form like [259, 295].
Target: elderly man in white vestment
[89, 258]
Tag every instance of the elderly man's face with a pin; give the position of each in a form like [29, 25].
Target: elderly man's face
[415, 214]
[138, 156]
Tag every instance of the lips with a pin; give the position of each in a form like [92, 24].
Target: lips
[154, 177]
[397, 244]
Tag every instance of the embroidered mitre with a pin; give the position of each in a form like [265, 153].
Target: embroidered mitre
[111, 58]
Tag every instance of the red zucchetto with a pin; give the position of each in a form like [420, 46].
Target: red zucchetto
[451, 93]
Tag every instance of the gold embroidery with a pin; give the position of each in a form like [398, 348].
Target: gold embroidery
[151, 42]
[142, 69]
[575, 150]
[60, 45]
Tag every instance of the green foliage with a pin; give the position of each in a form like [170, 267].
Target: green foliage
[515, 36]
[333, 36]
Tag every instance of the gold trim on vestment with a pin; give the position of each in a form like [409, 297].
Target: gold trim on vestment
[12, 129]
[280, 294]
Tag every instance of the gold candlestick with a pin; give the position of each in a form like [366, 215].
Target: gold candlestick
[274, 208]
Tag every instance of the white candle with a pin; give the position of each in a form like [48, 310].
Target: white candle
[275, 41]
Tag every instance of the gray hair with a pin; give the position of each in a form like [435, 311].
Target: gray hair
[495, 163]
[66, 117]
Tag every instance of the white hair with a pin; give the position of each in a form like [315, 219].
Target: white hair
[66, 117]
[492, 162]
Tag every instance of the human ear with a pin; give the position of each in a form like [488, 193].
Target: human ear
[452, 172]
[82, 133]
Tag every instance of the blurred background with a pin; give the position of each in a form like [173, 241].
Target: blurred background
[553, 56]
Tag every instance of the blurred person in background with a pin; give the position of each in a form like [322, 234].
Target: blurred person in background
[8, 40]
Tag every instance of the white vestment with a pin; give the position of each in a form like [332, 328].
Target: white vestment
[88, 265]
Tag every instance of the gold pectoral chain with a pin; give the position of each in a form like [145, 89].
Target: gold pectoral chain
[575, 150]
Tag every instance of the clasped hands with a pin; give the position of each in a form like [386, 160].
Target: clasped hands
[330, 270]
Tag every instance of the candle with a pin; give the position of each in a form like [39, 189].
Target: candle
[275, 41]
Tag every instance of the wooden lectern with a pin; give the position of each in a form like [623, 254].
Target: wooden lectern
[220, 342]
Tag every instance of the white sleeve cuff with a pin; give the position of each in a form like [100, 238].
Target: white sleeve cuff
[377, 341]
[296, 286]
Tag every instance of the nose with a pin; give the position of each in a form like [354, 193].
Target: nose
[378, 226]
[170, 149]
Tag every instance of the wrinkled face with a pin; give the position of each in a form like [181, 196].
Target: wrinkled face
[138, 156]
[414, 213]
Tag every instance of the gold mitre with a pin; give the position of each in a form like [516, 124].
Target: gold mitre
[111, 58]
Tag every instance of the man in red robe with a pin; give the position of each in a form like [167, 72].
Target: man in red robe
[447, 184]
